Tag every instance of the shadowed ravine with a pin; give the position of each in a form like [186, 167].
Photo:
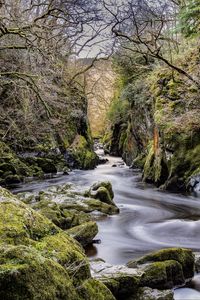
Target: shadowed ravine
[149, 219]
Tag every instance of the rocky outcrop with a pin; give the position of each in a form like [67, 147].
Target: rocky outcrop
[40, 260]
[150, 277]
[73, 210]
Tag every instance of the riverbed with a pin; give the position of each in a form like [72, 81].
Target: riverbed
[149, 219]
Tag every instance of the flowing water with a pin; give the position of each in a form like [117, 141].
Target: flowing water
[149, 219]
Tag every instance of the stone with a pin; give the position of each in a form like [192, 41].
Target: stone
[163, 275]
[184, 256]
[84, 233]
[120, 280]
[146, 293]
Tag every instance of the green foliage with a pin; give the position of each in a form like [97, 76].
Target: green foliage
[190, 18]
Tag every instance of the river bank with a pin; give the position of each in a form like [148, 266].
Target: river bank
[149, 219]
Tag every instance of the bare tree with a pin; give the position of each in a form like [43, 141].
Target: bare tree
[147, 27]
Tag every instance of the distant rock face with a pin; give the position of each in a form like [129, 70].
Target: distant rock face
[100, 82]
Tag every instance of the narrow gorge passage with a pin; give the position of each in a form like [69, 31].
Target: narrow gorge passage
[149, 219]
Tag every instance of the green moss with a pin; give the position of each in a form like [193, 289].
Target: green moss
[122, 285]
[100, 206]
[25, 274]
[184, 256]
[20, 224]
[67, 252]
[84, 233]
[83, 154]
[163, 275]
[92, 289]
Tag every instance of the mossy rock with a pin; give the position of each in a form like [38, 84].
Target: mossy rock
[84, 233]
[82, 153]
[25, 274]
[95, 204]
[68, 253]
[22, 225]
[92, 289]
[102, 191]
[163, 275]
[184, 256]
[105, 184]
[63, 218]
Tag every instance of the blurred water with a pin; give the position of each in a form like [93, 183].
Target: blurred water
[149, 219]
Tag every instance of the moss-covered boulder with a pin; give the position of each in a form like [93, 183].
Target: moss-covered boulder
[84, 233]
[83, 154]
[61, 217]
[163, 275]
[92, 289]
[12, 168]
[105, 184]
[25, 274]
[120, 280]
[183, 256]
[38, 260]
[68, 253]
[102, 191]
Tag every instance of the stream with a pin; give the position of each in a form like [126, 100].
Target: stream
[149, 219]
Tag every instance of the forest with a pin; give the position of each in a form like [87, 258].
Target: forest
[99, 149]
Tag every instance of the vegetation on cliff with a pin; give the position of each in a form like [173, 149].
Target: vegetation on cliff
[155, 116]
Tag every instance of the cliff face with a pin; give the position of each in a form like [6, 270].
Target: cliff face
[100, 81]
[160, 131]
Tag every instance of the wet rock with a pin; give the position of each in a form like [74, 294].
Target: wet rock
[84, 233]
[102, 191]
[183, 256]
[38, 260]
[92, 289]
[153, 294]
[105, 184]
[26, 274]
[120, 280]
[194, 183]
[163, 275]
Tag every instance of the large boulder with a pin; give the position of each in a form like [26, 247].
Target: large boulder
[38, 260]
[120, 280]
[183, 256]
[93, 289]
[162, 275]
[26, 274]
[102, 191]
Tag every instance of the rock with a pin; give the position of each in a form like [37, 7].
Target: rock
[26, 274]
[103, 192]
[105, 184]
[114, 166]
[38, 260]
[84, 233]
[92, 289]
[66, 171]
[163, 275]
[120, 280]
[102, 160]
[197, 262]
[47, 165]
[68, 253]
[82, 153]
[184, 256]
[194, 183]
[146, 293]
